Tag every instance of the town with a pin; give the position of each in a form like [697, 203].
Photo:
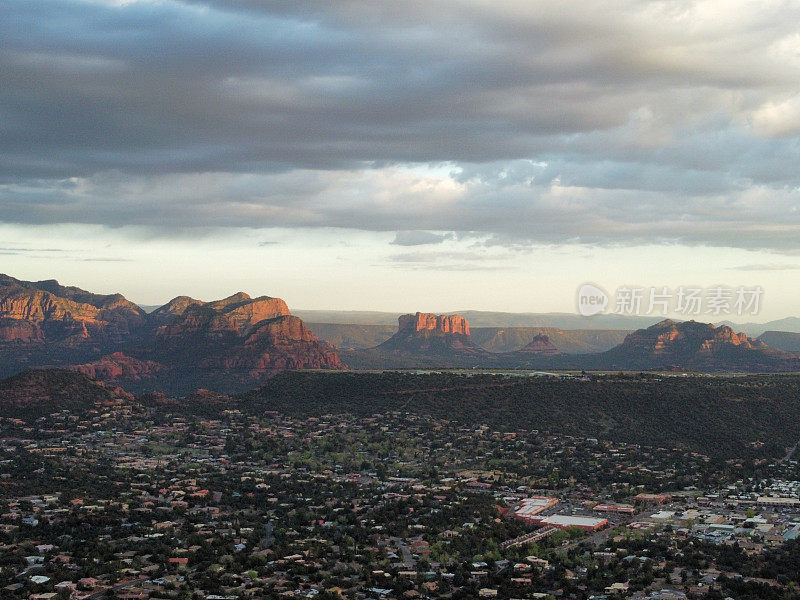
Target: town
[399, 300]
[164, 503]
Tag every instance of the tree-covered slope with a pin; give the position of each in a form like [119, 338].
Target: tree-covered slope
[723, 417]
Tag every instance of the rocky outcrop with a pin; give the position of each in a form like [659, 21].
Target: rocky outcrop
[540, 345]
[274, 345]
[239, 338]
[175, 307]
[423, 322]
[693, 345]
[235, 341]
[425, 333]
[38, 306]
[234, 315]
[55, 314]
[119, 366]
[19, 330]
[668, 337]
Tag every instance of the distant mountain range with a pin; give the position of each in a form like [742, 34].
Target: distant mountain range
[437, 341]
[479, 318]
[507, 332]
[791, 324]
[494, 339]
[239, 342]
[565, 321]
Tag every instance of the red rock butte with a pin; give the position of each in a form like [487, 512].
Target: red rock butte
[430, 322]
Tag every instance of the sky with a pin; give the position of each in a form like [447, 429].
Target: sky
[404, 155]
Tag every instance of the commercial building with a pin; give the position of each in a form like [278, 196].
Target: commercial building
[565, 521]
[528, 508]
[626, 509]
[778, 502]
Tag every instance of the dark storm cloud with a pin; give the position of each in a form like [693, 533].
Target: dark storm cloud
[549, 122]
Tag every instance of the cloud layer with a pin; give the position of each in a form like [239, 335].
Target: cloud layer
[545, 122]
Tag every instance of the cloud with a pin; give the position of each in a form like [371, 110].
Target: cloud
[420, 238]
[392, 199]
[21, 250]
[768, 267]
[550, 122]
[778, 118]
[451, 260]
[100, 259]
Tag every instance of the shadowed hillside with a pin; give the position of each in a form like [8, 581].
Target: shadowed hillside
[36, 393]
[787, 341]
[722, 417]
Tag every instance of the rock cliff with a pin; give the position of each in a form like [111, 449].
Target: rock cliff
[234, 341]
[435, 323]
[693, 345]
[426, 333]
[119, 366]
[45, 311]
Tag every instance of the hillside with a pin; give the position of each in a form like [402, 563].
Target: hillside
[569, 341]
[39, 392]
[55, 313]
[251, 337]
[787, 341]
[349, 336]
[721, 416]
[695, 346]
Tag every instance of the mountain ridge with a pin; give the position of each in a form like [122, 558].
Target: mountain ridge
[238, 339]
[560, 320]
[670, 345]
[697, 346]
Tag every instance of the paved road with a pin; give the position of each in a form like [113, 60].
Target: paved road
[791, 452]
[408, 560]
